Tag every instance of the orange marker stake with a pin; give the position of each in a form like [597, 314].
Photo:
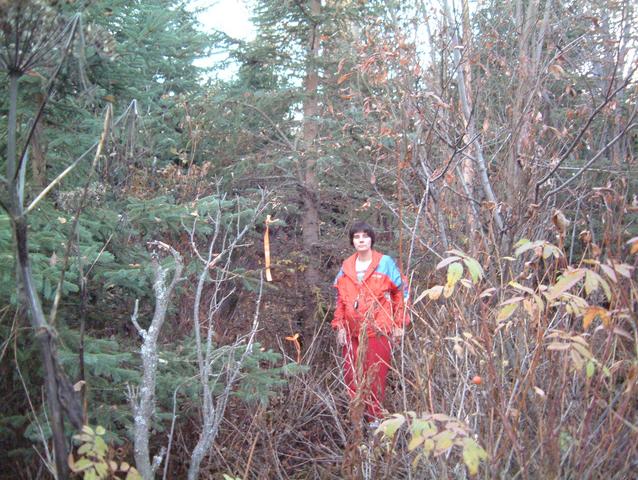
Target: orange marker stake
[267, 249]
[295, 340]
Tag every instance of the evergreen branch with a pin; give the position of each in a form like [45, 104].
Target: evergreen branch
[288, 143]
[67, 170]
[76, 217]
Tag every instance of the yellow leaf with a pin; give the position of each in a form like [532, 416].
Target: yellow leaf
[454, 273]
[529, 307]
[444, 441]
[567, 281]
[448, 290]
[390, 426]
[591, 282]
[428, 446]
[582, 350]
[133, 475]
[520, 287]
[86, 448]
[512, 300]
[433, 293]
[415, 441]
[472, 455]
[475, 269]
[83, 464]
[577, 360]
[506, 312]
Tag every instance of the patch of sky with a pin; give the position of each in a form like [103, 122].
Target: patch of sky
[231, 17]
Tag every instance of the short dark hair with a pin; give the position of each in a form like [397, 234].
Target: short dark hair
[362, 227]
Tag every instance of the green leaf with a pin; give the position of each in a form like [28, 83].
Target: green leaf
[83, 464]
[475, 269]
[390, 426]
[473, 453]
[99, 430]
[422, 427]
[91, 475]
[590, 369]
[454, 273]
[102, 469]
[87, 447]
[100, 447]
[133, 474]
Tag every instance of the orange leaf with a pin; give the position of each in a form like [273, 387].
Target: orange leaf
[344, 77]
[591, 313]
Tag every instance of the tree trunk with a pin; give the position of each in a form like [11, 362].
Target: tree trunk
[38, 157]
[468, 171]
[310, 187]
[61, 398]
[143, 404]
[464, 99]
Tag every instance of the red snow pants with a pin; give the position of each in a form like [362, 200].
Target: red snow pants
[365, 372]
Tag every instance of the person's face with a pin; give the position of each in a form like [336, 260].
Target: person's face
[362, 242]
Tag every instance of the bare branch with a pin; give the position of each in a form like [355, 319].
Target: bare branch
[582, 131]
[139, 329]
[591, 161]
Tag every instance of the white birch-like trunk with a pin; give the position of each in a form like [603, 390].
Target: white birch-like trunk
[143, 400]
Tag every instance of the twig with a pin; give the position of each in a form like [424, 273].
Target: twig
[582, 131]
[590, 162]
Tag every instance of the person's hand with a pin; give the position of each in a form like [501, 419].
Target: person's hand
[341, 336]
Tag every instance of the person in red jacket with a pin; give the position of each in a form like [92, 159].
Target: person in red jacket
[370, 310]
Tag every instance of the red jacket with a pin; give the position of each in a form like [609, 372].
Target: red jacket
[378, 302]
